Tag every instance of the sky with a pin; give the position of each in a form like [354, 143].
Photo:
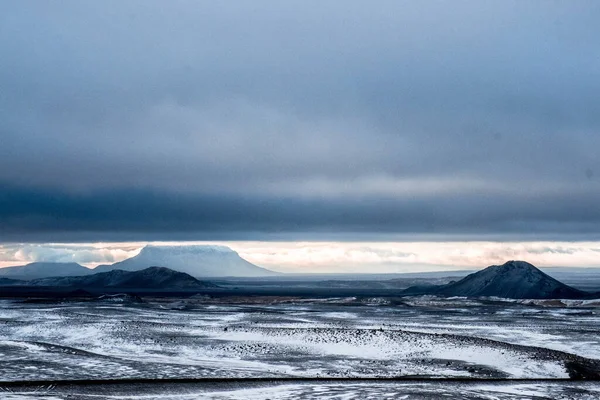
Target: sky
[334, 123]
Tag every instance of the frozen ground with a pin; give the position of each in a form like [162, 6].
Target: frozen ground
[303, 338]
[303, 390]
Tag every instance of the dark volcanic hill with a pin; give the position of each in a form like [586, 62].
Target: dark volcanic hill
[197, 260]
[514, 279]
[155, 278]
[38, 270]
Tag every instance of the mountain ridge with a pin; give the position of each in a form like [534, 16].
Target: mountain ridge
[9, 281]
[149, 278]
[40, 269]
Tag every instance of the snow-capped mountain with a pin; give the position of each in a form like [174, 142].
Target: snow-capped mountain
[38, 270]
[197, 260]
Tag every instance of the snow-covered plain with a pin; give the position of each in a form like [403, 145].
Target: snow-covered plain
[296, 338]
[329, 391]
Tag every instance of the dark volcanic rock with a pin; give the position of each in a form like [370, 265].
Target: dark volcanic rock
[515, 280]
[79, 293]
[156, 278]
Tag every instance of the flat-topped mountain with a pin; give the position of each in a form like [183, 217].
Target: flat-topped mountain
[514, 279]
[38, 270]
[148, 278]
[197, 260]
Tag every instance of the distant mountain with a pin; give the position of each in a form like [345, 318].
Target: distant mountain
[8, 282]
[582, 278]
[38, 270]
[196, 260]
[148, 278]
[514, 279]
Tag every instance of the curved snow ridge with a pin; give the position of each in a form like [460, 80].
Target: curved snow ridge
[411, 353]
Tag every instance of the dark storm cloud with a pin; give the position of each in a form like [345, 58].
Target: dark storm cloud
[34, 215]
[212, 118]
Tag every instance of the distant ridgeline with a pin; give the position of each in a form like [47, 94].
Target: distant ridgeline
[38, 270]
[179, 268]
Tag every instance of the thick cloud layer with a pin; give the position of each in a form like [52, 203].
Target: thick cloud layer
[142, 120]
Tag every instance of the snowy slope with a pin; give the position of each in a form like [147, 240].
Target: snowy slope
[196, 260]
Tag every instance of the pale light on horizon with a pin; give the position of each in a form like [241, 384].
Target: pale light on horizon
[332, 257]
